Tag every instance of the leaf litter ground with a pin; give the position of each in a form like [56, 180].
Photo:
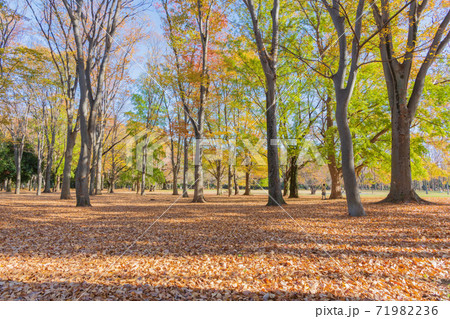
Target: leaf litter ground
[128, 247]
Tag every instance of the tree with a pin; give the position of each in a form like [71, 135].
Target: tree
[192, 28]
[343, 90]
[116, 83]
[55, 27]
[269, 61]
[398, 72]
[180, 50]
[149, 106]
[10, 27]
[8, 168]
[104, 19]
[18, 101]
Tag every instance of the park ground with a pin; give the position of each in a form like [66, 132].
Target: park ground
[162, 247]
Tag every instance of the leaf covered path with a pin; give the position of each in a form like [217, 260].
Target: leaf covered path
[227, 249]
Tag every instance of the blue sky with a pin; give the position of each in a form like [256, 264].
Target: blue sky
[156, 34]
[148, 18]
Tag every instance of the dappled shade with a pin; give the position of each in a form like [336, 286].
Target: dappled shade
[235, 249]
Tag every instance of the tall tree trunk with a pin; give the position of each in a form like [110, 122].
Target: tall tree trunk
[397, 67]
[99, 179]
[94, 162]
[236, 185]
[142, 182]
[98, 167]
[88, 115]
[68, 156]
[401, 181]
[39, 168]
[330, 145]
[144, 165]
[203, 25]
[111, 184]
[48, 175]
[335, 181]
[82, 172]
[396, 78]
[230, 176]
[57, 183]
[293, 187]
[175, 159]
[175, 180]
[343, 87]
[219, 177]
[269, 59]
[286, 179]
[18, 152]
[354, 204]
[198, 171]
[112, 177]
[48, 170]
[185, 167]
[275, 195]
[247, 183]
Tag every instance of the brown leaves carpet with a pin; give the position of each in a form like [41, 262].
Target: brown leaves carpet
[227, 249]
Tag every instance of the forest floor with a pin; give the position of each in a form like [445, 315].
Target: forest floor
[162, 247]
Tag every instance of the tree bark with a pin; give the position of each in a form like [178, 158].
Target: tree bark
[68, 156]
[93, 170]
[39, 168]
[48, 170]
[175, 180]
[293, 187]
[185, 167]
[144, 165]
[112, 177]
[57, 183]
[236, 186]
[335, 181]
[198, 171]
[286, 179]
[88, 92]
[18, 153]
[203, 26]
[218, 177]
[401, 189]
[99, 166]
[343, 90]
[330, 145]
[82, 172]
[175, 159]
[354, 204]
[275, 195]
[247, 183]
[397, 72]
[269, 65]
[230, 179]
